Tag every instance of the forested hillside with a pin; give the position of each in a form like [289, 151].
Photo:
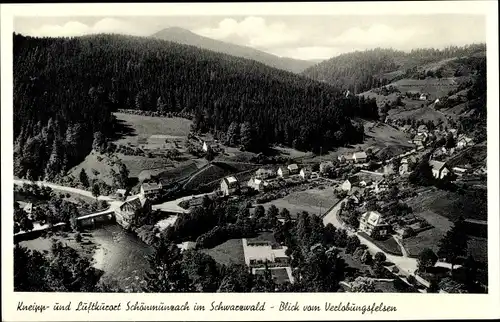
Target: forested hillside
[65, 90]
[362, 70]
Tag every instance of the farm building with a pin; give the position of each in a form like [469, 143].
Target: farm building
[305, 173]
[293, 168]
[348, 158]
[423, 97]
[373, 224]
[359, 157]
[150, 190]
[229, 186]
[283, 172]
[439, 169]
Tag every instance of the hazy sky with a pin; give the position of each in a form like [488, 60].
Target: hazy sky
[302, 37]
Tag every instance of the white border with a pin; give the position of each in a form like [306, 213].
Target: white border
[410, 306]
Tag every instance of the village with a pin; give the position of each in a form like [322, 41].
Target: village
[366, 196]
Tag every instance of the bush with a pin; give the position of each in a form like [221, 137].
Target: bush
[411, 279]
[380, 257]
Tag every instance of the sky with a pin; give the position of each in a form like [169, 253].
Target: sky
[300, 37]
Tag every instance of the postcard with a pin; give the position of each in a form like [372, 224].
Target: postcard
[250, 161]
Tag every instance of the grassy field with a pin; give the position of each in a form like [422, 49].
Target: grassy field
[440, 208]
[143, 127]
[230, 252]
[388, 245]
[308, 200]
[135, 164]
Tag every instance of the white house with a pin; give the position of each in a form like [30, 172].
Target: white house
[283, 172]
[423, 97]
[464, 141]
[372, 223]
[350, 183]
[229, 186]
[293, 168]
[439, 169]
[305, 173]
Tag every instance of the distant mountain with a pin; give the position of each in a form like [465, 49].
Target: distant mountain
[186, 37]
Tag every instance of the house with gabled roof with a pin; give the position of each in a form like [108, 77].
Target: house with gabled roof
[293, 168]
[351, 182]
[373, 224]
[283, 172]
[305, 173]
[439, 169]
[150, 189]
[229, 186]
[359, 157]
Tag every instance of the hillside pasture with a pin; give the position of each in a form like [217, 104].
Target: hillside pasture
[216, 171]
[143, 127]
[378, 136]
[435, 87]
[440, 208]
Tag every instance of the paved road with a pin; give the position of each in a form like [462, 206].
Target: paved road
[406, 265]
[63, 188]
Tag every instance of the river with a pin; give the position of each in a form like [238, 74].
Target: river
[120, 254]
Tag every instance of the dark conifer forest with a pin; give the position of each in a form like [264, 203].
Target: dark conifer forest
[65, 90]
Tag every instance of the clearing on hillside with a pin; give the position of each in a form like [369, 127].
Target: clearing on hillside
[229, 252]
[143, 127]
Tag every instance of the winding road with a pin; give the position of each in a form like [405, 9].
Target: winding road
[406, 265]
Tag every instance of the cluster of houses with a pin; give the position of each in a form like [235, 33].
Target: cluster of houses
[264, 178]
[374, 181]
